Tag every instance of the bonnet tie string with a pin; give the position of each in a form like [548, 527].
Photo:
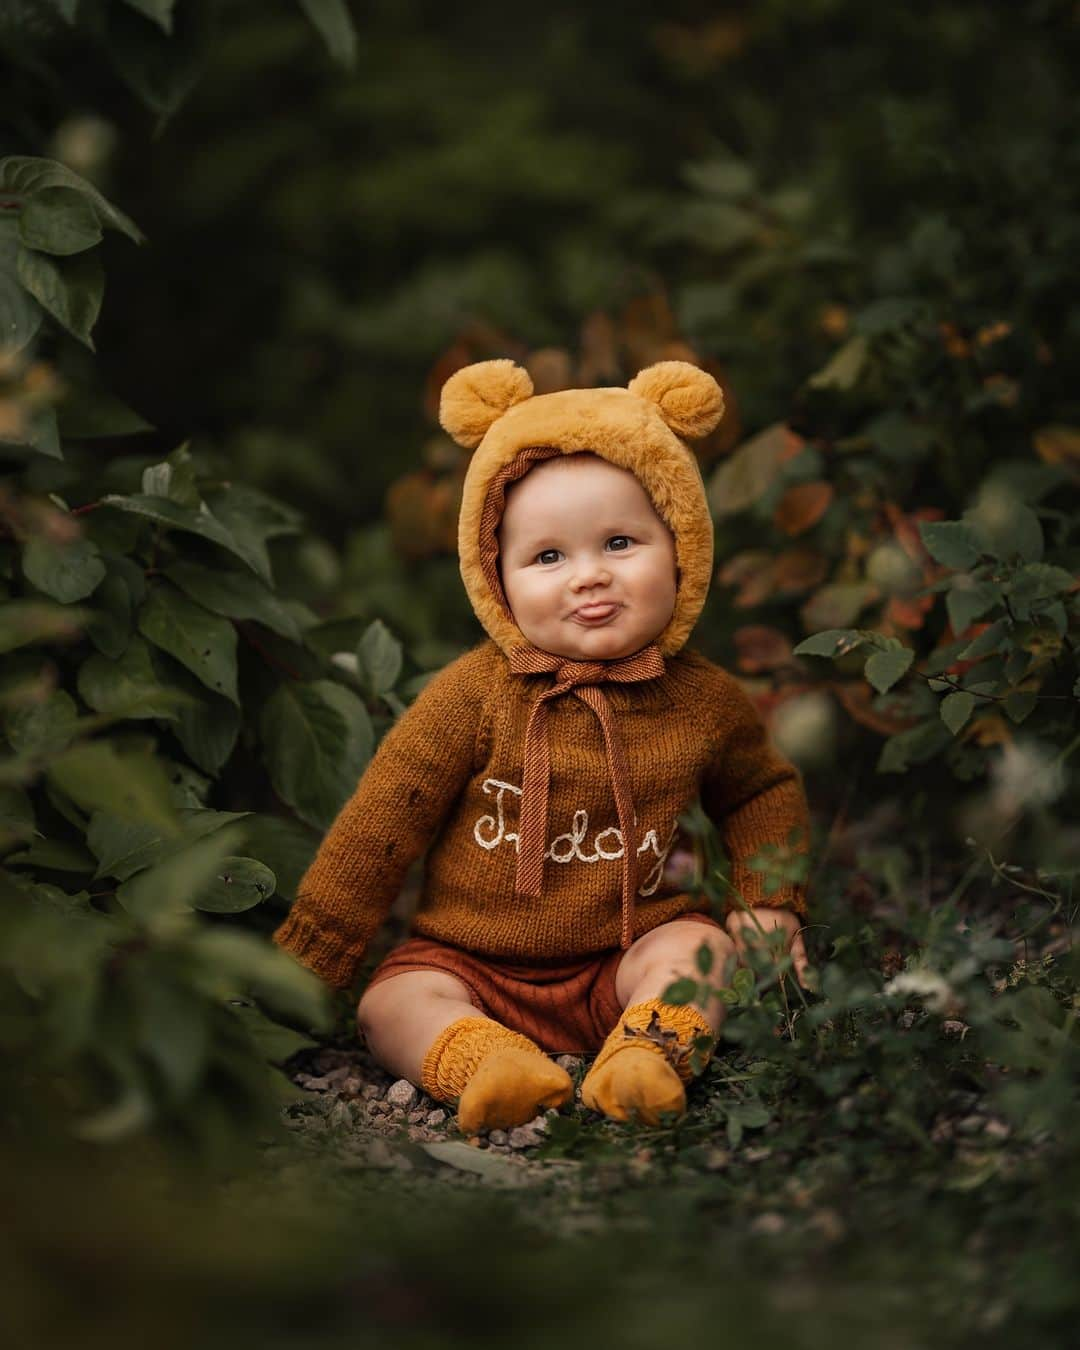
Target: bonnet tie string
[583, 680]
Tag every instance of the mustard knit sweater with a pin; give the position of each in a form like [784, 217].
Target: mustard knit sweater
[448, 774]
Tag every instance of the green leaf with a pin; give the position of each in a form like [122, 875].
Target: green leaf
[950, 542]
[171, 1026]
[42, 728]
[742, 982]
[1004, 524]
[20, 313]
[335, 26]
[703, 958]
[200, 521]
[747, 474]
[1034, 583]
[991, 639]
[968, 601]
[883, 669]
[832, 642]
[237, 884]
[274, 1042]
[64, 571]
[173, 885]
[680, 991]
[914, 746]
[61, 221]
[253, 518]
[379, 657]
[201, 641]
[115, 600]
[98, 776]
[16, 812]
[1020, 705]
[128, 686]
[838, 604]
[236, 595]
[207, 728]
[124, 847]
[956, 708]
[24, 176]
[174, 479]
[285, 844]
[28, 621]
[70, 289]
[42, 433]
[845, 367]
[317, 738]
[250, 965]
[160, 11]
[492, 1167]
[57, 855]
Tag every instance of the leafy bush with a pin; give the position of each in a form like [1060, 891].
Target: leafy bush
[179, 731]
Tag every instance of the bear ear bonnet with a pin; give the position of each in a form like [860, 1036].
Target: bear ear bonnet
[688, 399]
[478, 395]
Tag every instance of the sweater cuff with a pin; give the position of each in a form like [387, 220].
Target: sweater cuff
[322, 952]
[751, 887]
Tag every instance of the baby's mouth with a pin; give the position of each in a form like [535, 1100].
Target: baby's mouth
[595, 613]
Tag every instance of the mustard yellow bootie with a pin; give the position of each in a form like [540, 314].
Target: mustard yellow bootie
[498, 1077]
[643, 1065]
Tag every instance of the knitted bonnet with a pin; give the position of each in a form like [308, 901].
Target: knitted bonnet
[491, 406]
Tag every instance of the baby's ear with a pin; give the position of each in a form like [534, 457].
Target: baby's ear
[477, 395]
[688, 399]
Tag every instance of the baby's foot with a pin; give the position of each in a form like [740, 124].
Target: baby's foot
[511, 1086]
[635, 1082]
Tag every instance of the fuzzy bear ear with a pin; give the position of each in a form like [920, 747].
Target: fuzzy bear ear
[477, 395]
[688, 399]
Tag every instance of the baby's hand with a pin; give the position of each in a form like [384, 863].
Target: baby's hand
[743, 927]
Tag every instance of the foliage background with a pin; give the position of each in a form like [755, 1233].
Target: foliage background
[865, 224]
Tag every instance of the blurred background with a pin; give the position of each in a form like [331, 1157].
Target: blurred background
[862, 220]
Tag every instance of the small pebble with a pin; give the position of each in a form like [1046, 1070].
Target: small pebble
[524, 1136]
[415, 1117]
[497, 1137]
[436, 1117]
[571, 1063]
[769, 1224]
[402, 1094]
[371, 1091]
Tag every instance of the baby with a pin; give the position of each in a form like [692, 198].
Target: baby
[547, 768]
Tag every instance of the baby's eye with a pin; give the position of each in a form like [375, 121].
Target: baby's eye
[619, 542]
[548, 555]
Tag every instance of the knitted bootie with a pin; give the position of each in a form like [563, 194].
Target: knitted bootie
[643, 1064]
[498, 1077]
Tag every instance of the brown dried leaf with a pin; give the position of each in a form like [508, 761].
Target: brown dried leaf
[599, 361]
[550, 370]
[798, 569]
[760, 648]
[802, 506]
[1058, 444]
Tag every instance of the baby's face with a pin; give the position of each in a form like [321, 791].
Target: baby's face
[587, 565]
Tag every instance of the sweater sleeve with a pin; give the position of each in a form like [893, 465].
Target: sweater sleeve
[420, 767]
[755, 798]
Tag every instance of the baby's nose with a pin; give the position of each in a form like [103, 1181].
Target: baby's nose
[590, 574]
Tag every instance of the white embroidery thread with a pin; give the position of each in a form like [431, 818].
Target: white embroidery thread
[490, 831]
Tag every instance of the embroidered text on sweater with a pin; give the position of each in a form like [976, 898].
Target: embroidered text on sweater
[607, 844]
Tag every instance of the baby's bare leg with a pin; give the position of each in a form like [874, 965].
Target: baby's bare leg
[632, 1076]
[669, 952]
[400, 1017]
[498, 1077]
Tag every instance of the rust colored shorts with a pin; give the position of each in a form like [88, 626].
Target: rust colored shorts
[565, 1009]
